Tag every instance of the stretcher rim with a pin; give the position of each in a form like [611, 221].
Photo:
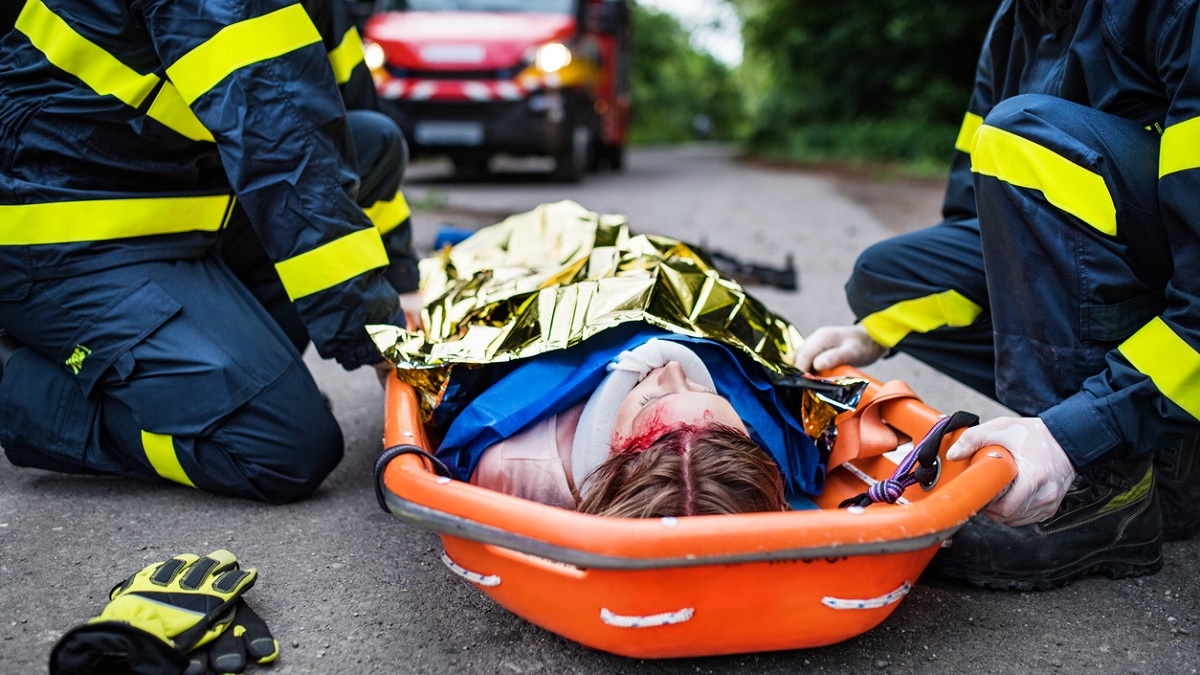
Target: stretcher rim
[412, 491]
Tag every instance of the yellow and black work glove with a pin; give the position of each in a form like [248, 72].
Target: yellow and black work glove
[155, 617]
[246, 641]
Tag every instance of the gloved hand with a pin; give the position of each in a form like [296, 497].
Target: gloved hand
[412, 304]
[382, 370]
[246, 641]
[832, 346]
[155, 617]
[1044, 473]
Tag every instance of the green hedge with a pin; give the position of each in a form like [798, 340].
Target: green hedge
[860, 79]
[673, 84]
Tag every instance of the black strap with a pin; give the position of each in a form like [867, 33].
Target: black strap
[928, 468]
[405, 449]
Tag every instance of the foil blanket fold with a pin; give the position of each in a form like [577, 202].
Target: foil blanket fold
[557, 275]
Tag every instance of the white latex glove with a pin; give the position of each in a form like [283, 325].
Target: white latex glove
[832, 346]
[1044, 474]
[412, 304]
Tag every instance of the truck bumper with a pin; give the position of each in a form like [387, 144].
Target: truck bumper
[532, 126]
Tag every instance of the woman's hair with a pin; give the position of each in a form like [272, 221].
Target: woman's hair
[689, 471]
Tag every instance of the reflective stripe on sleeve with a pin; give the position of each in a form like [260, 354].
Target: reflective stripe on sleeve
[331, 264]
[347, 55]
[1067, 185]
[920, 315]
[104, 73]
[168, 107]
[966, 134]
[1179, 147]
[102, 219]
[387, 215]
[79, 56]
[239, 45]
[160, 451]
[1170, 363]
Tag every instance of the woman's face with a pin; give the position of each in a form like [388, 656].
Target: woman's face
[666, 400]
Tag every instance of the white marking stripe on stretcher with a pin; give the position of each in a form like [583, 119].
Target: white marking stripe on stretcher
[650, 621]
[868, 603]
[473, 577]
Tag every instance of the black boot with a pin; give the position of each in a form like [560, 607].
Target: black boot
[1109, 523]
[1177, 479]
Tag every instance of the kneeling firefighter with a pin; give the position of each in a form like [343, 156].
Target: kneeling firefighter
[186, 202]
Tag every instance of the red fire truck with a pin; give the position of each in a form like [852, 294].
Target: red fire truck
[473, 78]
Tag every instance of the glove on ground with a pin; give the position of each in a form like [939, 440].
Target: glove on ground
[155, 617]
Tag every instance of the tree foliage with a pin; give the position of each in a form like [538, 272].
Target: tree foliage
[673, 83]
[876, 77]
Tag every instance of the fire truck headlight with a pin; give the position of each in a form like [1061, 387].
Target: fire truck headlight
[373, 55]
[552, 57]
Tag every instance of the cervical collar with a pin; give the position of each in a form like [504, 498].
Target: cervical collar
[593, 436]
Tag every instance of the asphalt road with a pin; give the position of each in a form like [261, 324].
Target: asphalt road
[347, 588]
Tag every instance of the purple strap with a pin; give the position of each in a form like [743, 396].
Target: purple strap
[893, 488]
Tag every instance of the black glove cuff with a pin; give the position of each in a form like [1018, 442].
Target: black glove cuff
[114, 648]
[404, 276]
[363, 353]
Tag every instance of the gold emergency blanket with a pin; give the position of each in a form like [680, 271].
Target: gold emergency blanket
[553, 277]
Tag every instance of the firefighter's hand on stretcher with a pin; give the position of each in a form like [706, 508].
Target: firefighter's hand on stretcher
[412, 304]
[1044, 473]
[833, 346]
[382, 370]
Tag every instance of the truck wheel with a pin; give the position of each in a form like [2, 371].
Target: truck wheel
[470, 166]
[616, 157]
[572, 160]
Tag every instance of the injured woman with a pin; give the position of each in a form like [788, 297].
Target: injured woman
[568, 361]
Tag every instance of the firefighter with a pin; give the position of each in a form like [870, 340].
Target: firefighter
[1062, 283]
[382, 158]
[140, 140]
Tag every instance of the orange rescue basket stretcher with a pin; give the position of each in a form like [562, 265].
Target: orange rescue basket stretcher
[699, 585]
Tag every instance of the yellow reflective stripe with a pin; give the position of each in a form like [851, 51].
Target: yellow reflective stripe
[1170, 363]
[387, 215]
[347, 55]
[169, 109]
[1023, 163]
[104, 73]
[241, 44]
[81, 57]
[920, 315]
[96, 220]
[160, 450]
[1179, 149]
[331, 264]
[971, 123]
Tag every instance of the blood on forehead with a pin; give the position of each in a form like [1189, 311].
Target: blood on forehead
[649, 432]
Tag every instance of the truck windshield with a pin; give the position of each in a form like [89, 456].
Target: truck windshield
[542, 6]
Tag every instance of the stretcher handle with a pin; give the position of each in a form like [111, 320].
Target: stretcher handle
[392, 452]
[920, 467]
